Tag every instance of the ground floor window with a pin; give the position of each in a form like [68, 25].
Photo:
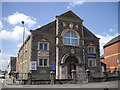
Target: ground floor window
[43, 62]
[91, 63]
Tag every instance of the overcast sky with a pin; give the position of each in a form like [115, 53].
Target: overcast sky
[101, 18]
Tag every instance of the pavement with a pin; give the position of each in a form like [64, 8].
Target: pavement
[1, 81]
[110, 84]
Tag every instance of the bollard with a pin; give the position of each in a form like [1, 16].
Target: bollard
[74, 76]
[52, 77]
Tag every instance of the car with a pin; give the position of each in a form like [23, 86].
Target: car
[2, 75]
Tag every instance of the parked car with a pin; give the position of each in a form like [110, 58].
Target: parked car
[2, 75]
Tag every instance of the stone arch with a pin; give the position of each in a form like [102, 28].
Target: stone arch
[67, 55]
[71, 60]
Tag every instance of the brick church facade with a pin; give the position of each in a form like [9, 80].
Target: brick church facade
[60, 46]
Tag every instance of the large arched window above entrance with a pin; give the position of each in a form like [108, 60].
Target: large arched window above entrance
[71, 38]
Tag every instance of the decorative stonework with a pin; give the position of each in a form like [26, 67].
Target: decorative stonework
[76, 26]
[91, 44]
[43, 53]
[72, 51]
[44, 40]
[71, 25]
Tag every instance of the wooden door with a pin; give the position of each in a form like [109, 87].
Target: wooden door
[70, 67]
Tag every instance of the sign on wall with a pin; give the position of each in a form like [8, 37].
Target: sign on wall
[33, 65]
[52, 66]
[92, 56]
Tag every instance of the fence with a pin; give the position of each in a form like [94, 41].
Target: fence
[36, 79]
[108, 76]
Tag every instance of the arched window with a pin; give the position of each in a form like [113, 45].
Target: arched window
[70, 38]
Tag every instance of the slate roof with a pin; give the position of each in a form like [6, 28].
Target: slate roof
[112, 41]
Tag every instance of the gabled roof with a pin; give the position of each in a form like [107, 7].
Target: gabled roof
[44, 26]
[89, 34]
[112, 41]
[70, 14]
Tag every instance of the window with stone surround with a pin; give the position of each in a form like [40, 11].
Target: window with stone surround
[71, 38]
[43, 46]
[91, 62]
[43, 62]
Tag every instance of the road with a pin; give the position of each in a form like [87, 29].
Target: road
[110, 84]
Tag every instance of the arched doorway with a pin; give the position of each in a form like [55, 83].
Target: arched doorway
[71, 62]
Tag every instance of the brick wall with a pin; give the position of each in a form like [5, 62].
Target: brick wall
[111, 56]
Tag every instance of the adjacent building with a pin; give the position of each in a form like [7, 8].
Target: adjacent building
[61, 46]
[12, 66]
[112, 54]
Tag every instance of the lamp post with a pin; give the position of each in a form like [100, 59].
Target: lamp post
[22, 50]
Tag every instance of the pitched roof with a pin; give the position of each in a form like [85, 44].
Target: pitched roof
[89, 34]
[70, 14]
[112, 41]
[44, 26]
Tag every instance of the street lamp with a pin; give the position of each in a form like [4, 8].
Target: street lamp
[23, 50]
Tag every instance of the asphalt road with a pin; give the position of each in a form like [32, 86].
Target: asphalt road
[110, 84]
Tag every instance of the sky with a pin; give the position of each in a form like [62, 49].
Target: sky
[101, 18]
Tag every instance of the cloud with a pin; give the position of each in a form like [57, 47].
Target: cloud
[39, 26]
[5, 55]
[74, 3]
[16, 34]
[111, 30]
[104, 39]
[3, 64]
[1, 25]
[17, 17]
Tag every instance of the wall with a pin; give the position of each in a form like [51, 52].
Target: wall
[112, 54]
[23, 59]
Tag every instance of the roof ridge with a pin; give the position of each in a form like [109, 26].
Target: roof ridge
[68, 14]
[113, 40]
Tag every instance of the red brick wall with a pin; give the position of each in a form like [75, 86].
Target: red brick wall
[111, 55]
[112, 49]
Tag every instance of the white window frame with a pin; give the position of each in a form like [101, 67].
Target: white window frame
[43, 62]
[92, 63]
[89, 49]
[43, 46]
[71, 44]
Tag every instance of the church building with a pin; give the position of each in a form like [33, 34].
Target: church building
[61, 46]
